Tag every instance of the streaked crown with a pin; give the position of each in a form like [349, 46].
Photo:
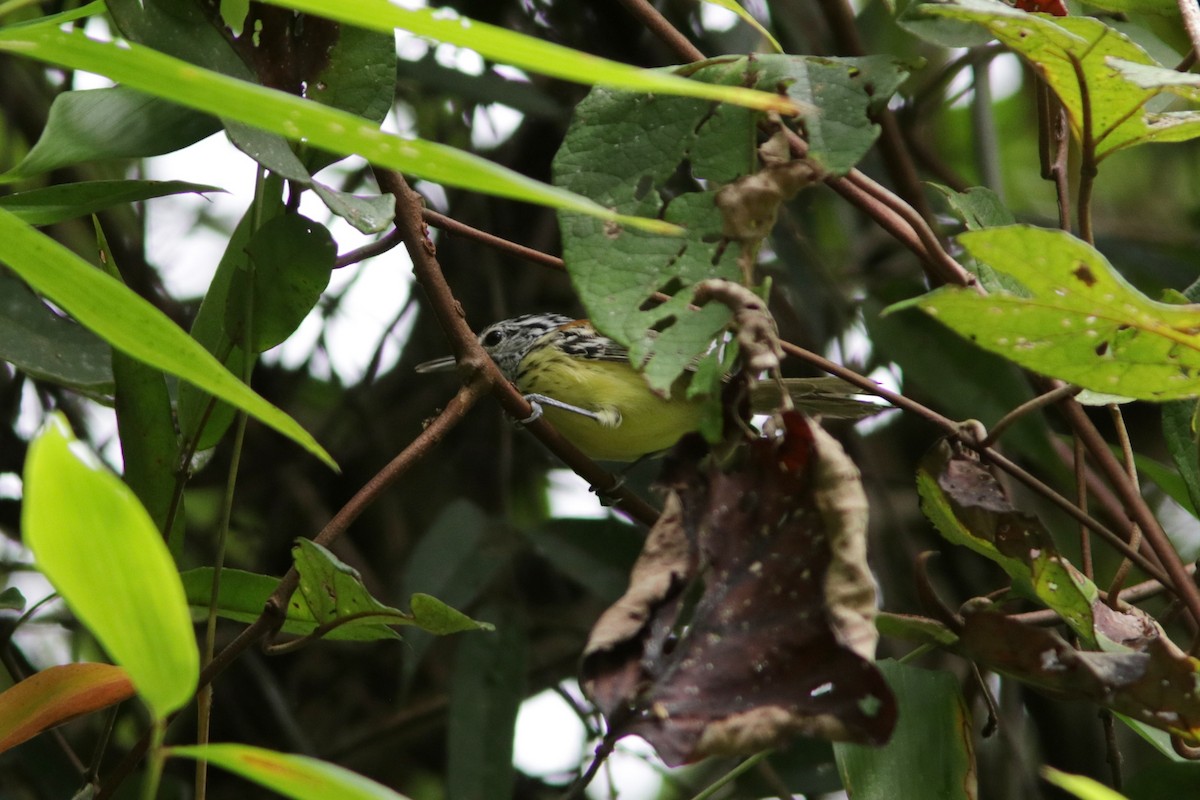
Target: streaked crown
[508, 341]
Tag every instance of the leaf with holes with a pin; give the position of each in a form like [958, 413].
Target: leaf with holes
[1076, 57]
[1081, 321]
[670, 157]
[780, 639]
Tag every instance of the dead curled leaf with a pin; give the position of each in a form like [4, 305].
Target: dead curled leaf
[1159, 685]
[749, 616]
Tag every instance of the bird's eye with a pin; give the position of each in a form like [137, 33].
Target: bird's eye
[493, 338]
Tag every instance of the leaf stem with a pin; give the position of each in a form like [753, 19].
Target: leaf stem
[733, 774]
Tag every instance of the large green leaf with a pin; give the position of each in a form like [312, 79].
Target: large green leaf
[1081, 321]
[49, 347]
[627, 151]
[95, 542]
[130, 324]
[1077, 57]
[103, 124]
[299, 777]
[293, 117]
[930, 753]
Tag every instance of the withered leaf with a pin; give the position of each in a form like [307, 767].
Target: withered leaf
[749, 616]
[1159, 686]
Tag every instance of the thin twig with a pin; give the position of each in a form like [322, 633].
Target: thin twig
[1081, 500]
[1190, 12]
[378, 247]
[1028, 407]
[1114, 589]
[451, 225]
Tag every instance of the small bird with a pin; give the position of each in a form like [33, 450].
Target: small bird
[584, 384]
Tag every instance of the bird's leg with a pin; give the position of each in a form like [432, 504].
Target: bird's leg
[536, 401]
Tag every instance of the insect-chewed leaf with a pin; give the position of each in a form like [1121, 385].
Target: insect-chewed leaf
[781, 638]
[669, 157]
[1159, 686]
[1081, 321]
[1077, 57]
[968, 506]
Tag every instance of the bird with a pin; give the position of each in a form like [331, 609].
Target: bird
[585, 385]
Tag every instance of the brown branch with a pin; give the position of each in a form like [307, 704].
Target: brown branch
[379, 247]
[450, 225]
[474, 362]
[1139, 512]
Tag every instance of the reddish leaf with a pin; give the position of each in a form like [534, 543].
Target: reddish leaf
[781, 637]
[57, 695]
[1055, 8]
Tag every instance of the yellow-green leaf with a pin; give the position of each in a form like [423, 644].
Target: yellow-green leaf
[97, 545]
[299, 777]
[1080, 321]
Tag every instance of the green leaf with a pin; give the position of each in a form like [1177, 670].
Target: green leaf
[968, 507]
[977, 208]
[49, 347]
[131, 324]
[71, 200]
[294, 117]
[930, 753]
[290, 261]
[299, 777]
[456, 560]
[526, 52]
[105, 124]
[486, 690]
[1181, 443]
[1108, 108]
[11, 599]
[1157, 781]
[146, 426]
[1082, 322]
[93, 540]
[626, 151]
[1081, 786]
[333, 591]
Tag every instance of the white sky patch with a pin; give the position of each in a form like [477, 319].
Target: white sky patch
[10, 486]
[633, 772]
[715, 18]
[492, 125]
[1004, 73]
[463, 59]
[550, 739]
[570, 498]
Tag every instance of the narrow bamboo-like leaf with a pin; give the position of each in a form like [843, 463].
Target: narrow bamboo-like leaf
[486, 689]
[748, 18]
[526, 52]
[131, 324]
[1081, 321]
[1081, 786]
[57, 695]
[328, 128]
[930, 753]
[95, 542]
[146, 425]
[298, 777]
[71, 200]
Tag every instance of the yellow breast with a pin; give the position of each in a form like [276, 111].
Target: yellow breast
[636, 421]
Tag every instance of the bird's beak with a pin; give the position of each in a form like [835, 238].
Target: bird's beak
[437, 365]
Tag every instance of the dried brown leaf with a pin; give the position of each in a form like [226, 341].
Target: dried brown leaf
[770, 561]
